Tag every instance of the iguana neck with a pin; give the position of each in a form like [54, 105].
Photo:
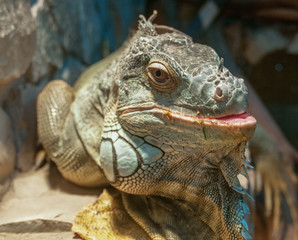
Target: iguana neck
[218, 216]
[209, 197]
[200, 181]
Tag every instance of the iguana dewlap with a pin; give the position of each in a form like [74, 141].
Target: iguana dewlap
[164, 122]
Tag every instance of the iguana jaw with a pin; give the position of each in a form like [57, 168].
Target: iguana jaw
[243, 123]
[205, 174]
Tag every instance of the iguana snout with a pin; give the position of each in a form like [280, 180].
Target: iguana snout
[217, 92]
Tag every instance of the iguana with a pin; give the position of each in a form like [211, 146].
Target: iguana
[163, 122]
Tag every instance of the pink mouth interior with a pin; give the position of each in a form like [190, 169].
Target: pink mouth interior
[243, 118]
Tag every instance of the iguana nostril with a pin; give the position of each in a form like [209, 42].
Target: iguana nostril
[218, 92]
[221, 93]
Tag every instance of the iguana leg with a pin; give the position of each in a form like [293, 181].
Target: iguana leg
[57, 133]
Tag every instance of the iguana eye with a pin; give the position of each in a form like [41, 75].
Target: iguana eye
[160, 77]
[158, 73]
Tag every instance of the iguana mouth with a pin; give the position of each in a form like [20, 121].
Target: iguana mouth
[237, 120]
[233, 122]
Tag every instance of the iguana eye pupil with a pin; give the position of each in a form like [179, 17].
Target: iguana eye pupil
[158, 73]
[160, 76]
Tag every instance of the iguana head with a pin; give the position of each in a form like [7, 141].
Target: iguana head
[176, 125]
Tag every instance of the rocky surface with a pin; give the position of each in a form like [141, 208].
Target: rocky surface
[48, 56]
[17, 39]
[7, 150]
[37, 236]
[42, 204]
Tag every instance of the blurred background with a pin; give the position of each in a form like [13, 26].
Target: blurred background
[42, 40]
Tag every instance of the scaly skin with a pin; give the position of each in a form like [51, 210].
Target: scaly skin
[162, 120]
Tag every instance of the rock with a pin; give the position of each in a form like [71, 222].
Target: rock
[90, 25]
[82, 30]
[48, 57]
[19, 103]
[37, 236]
[7, 149]
[26, 125]
[81, 27]
[71, 70]
[41, 201]
[36, 225]
[17, 38]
